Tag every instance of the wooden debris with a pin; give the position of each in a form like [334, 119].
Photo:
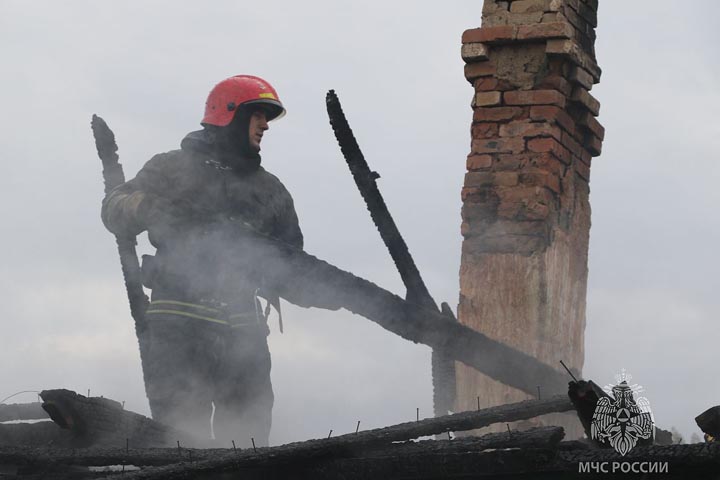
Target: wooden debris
[354, 443]
[709, 421]
[100, 421]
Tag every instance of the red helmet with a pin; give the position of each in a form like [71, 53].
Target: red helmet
[228, 95]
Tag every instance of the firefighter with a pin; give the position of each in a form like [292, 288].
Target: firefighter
[206, 330]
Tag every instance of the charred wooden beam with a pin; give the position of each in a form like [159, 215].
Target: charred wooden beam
[41, 459]
[307, 281]
[354, 443]
[22, 411]
[539, 437]
[98, 421]
[683, 461]
[709, 422]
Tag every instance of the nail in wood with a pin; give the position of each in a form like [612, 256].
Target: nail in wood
[357, 427]
[234, 447]
[253, 442]
[568, 370]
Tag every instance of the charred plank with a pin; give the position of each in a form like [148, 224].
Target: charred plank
[307, 281]
[314, 451]
[709, 421]
[101, 421]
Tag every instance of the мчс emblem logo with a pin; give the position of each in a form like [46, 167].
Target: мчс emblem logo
[624, 421]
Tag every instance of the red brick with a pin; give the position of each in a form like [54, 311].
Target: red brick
[498, 34]
[541, 179]
[497, 114]
[594, 145]
[525, 193]
[484, 202]
[543, 31]
[484, 130]
[473, 194]
[569, 142]
[489, 179]
[530, 129]
[509, 161]
[593, 125]
[506, 179]
[556, 82]
[479, 179]
[479, 162]
[582, 96]
[548, 163]
[534, 97]
[587, 13]
[480, 69]
[576, 54]
[586, 157]
[524, 203]
[553, 114]
[499, 145]
[552, 146]
[583, 170]
[485, 84]
[486, 99]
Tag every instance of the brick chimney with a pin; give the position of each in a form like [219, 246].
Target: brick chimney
[526, 213]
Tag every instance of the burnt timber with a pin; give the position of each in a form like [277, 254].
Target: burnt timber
[296, 274]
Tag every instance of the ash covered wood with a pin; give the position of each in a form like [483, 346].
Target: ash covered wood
[101, 421]
[709, 421]
[349, 445]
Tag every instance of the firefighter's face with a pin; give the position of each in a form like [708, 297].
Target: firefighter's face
[258, 126]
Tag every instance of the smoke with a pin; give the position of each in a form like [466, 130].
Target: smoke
[652, 190]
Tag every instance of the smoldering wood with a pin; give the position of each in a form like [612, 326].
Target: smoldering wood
[22, 411]
[709, 421]
[101, 421]
[308, 281]
[352, 443]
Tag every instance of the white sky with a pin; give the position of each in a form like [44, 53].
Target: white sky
[146, 67]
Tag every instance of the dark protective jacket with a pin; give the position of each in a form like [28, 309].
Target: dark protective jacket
[192, 261]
